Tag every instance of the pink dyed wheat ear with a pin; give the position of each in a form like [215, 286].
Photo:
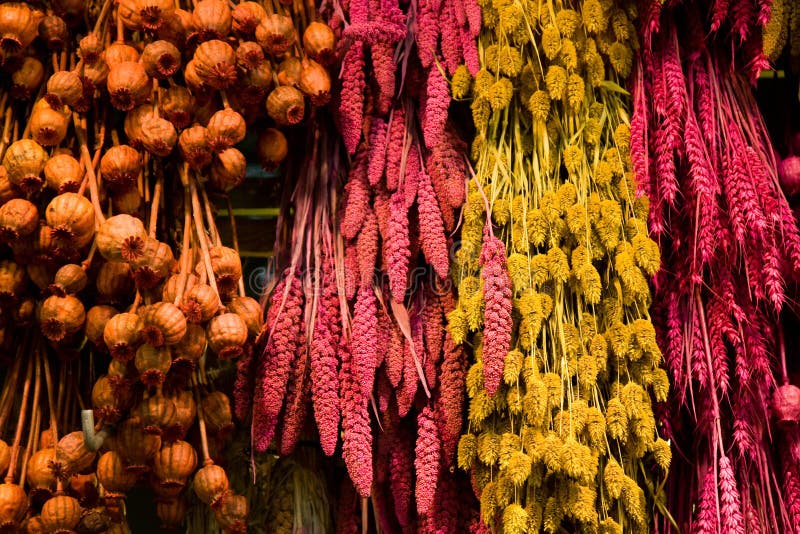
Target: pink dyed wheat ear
[497, 316]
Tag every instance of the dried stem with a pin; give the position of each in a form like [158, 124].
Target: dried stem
[198, 222]
[50, 396]
[201, 423]
[36, 416]
[9, 388]
[234, 237]
[94, 194]
[23, 413]
[187, 252]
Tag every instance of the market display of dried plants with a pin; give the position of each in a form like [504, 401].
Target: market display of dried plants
[121, 122]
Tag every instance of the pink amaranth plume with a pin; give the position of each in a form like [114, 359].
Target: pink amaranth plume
[297, 396]
[401, 474]
[351, 110]
[351, 274]
[383, 207]
[367, 246]
[358, 11]
[243, 387]
[497, 317]
[394, 356]
[471, 59]
[377, 151]
[426, 462]
[356, 431]
[451, 397]
[450, 39]
[433, 327]
[411, 177]
[431, 229]
[283, 327]
[395, 148]
[324, 361]
[396, 247]
[446, 504]
[428, 15]
[374, 32]
[473, 11]
[436, 105]
[408, 387]
[357, 199]
[383, 67]
[364, 342]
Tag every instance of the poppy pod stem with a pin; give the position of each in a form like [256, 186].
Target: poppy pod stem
[155, 204]
[85, 264]
[201, 423]
[55, 61]
[7, 126]
[50, 396]
[212, 226]
[186, 256]
[101, 18]
[234, 238]
[36, 418]
[782, 349]
[197, 212]
[224, 97]
[94, 193]
[23, 415]
[120, 27]
[9, 387]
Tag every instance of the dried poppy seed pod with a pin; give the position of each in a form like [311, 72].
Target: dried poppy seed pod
[127, 200]
[135, 446]
[227, 267]
[250, 311]
[176, 27]
[63, 88]
[113, 476]
[193, 345]
[193, 143]
[24, 161]
[90, 48]
[170, 289]
[226, 334]
[254, 85]
[54, 32]
[172, 513]
[114, 282]
[200, 89]
[186, 411]
[96, 319]
[210, 483]
[72, 455]
[70, 279]
[319, 43]
[63, 173]
[13, 506]
[228, 170]
[153, 364]
[152, 13]
[276, 34]
[161, 59]
[94, 77]
[7, 189]
[215, 63]
[121, 165]
[272, 148]
[289, 71]
[249, 55]
[212, 19]
[118, 53]
[48, 126]
[158, 136]
[217, 410]
[128, 85]
[71, 216]
[286, 105]
[123, 335]
[231, 514]
[18, 26]
[175, 463]
[176, 104]
[164, 323]
[61, 513]
[27, 79]
[18, 218]
[41, 479]
[246, 17]
[225, 129]
[154, 264]
[108, 400]
[61, 316]
[157, 413]
[200, 303]
[133, 125]
[315, 82]
[121, 238]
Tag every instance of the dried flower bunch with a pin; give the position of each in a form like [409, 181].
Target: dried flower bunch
[553, 275]
[121, 125]
[731, 246]
[358, 326]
